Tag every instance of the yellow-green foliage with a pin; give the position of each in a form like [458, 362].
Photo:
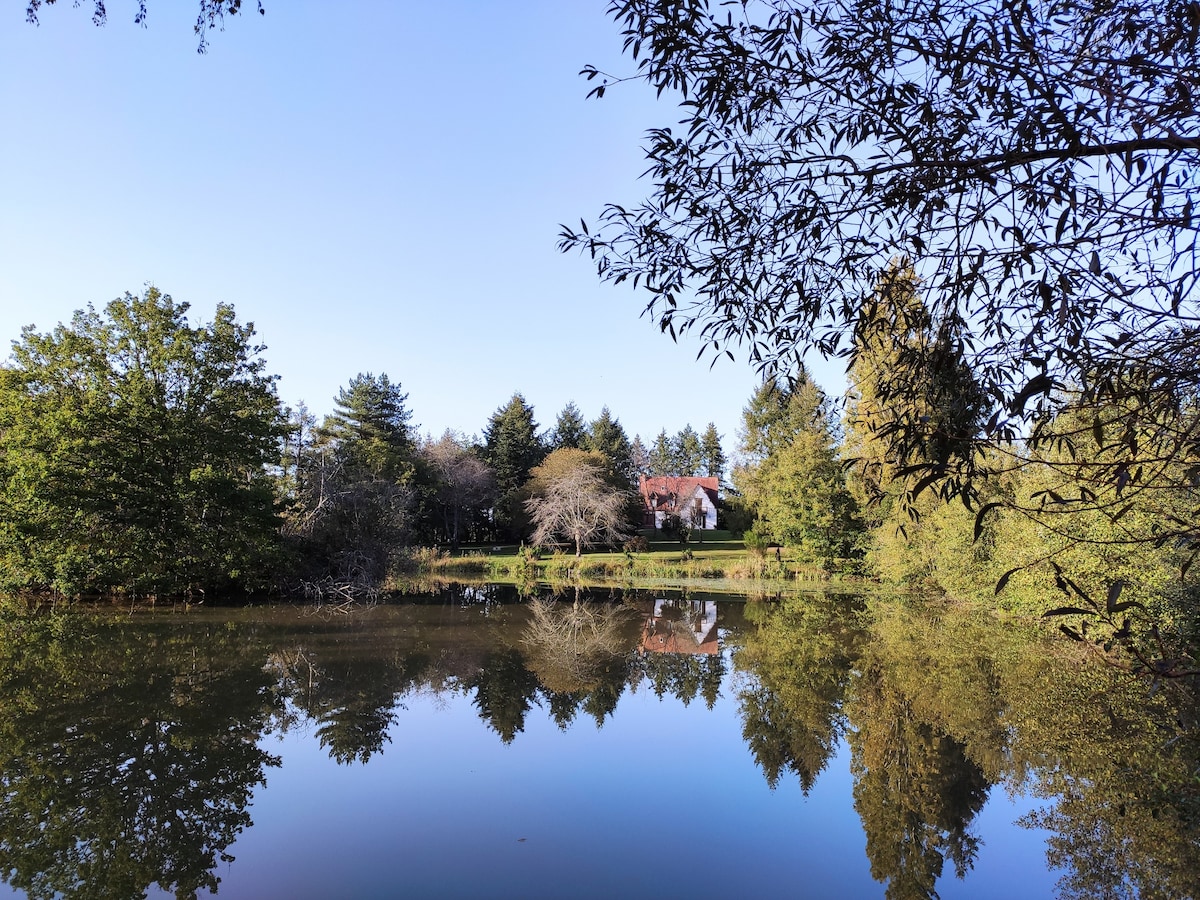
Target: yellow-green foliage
[1091, 549]
[936, 549]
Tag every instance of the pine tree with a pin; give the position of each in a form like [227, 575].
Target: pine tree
[712, 456]
[689, 454]
[512, 448]
[570, 431]
[370, 428]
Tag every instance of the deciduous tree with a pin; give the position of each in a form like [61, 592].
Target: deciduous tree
[463, 483]
[134, 452]
[572, 499]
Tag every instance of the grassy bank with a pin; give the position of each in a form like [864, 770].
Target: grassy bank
[719, 556]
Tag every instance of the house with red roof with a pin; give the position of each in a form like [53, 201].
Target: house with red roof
[676, 626]
[693, 500]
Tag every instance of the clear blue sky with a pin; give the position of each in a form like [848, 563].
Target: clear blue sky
[377, 186]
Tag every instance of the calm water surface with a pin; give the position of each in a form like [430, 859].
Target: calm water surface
[473, 744]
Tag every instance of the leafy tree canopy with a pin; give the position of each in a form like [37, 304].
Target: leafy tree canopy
[134, 450]
[1034, 161]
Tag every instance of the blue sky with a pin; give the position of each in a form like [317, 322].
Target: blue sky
[377, 189]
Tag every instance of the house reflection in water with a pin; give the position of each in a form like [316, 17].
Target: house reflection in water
[681, 626]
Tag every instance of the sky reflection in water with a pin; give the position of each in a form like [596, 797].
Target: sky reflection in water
[667, 798]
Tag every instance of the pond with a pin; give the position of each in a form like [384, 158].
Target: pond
[474, 743]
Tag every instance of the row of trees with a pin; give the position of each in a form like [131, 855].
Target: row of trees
[143, 453]
[687, 453]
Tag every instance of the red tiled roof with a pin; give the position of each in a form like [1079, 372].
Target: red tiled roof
[675, 488]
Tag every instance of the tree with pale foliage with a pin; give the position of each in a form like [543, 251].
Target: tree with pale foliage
[575, 503]
[463, 483]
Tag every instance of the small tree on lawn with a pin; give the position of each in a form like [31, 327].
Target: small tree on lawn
[581, 506]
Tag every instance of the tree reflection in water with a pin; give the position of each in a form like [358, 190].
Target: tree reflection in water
[128, 755]
[580, 653]
[129, 748]
[939, 704]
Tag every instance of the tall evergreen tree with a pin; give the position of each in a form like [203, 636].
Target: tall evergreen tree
[639, 458]
[362, 483]
[512, 448]
[662, 456]
[370, 427]
[925, 431]
[605, 435]
[792, 477]
[689, 454]
[570, 431]
[774, 414]
[712, 456]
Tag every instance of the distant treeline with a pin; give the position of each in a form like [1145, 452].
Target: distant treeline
[142, 454]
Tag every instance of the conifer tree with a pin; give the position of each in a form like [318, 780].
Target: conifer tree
[662, 456]
[689, 454]
[370, 428]
[639, 458]
[792, 477]
[570, 430]
[605, 435]
[711, 454]
[361, 483]
[512, 448]
[926, 432]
